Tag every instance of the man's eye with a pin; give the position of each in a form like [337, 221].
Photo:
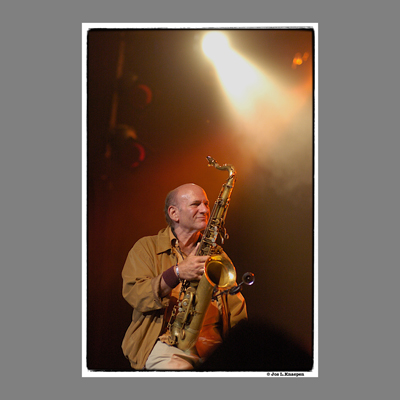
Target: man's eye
[198, 203]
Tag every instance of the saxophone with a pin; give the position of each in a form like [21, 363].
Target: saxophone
[219, 273]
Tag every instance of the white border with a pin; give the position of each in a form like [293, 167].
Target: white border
[148, 374]
[315, 304]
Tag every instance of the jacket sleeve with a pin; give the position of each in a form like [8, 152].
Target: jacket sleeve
[237, 309]
[141, 277]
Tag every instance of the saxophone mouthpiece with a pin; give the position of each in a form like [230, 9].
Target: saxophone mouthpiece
[211, 161]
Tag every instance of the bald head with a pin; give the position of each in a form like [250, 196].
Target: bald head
[177, 195]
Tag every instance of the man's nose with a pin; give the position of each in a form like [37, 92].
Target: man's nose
[204, 209]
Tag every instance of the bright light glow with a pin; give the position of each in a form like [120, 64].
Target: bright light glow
[272, 120]
[243, 83]
[215, 44]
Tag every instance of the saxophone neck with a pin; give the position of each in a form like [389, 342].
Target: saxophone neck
[228, 167]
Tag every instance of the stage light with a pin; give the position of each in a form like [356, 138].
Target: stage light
[142, 96]
[133, 94]
[215, 44]
[298, 59]
[125, 147]
[241, 80]
[271, 117]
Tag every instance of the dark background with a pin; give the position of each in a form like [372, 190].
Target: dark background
[270, 220]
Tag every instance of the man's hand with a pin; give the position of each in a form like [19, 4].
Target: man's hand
[192, 267]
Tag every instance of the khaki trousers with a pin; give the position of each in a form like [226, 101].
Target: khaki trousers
[165, 357]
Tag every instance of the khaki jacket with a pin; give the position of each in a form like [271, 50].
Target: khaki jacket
[145, 263]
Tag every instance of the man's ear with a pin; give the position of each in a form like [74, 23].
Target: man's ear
[173, 213]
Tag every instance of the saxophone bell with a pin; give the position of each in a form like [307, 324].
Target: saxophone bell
[248, 279]
[220, 272]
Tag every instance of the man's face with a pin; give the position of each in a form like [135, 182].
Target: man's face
[194, 210]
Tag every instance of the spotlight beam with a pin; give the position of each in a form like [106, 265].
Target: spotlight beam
[243, 83]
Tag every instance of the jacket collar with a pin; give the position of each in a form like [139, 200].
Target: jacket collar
[165, 240]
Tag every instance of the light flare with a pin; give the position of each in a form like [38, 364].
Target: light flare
[272, 122]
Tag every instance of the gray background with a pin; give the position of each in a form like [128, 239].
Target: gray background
[41, 200]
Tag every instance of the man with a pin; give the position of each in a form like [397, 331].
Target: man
[152, 276]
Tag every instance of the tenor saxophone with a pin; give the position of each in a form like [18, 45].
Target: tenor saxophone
[219, 273]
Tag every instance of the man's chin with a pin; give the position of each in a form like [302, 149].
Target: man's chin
[202, 226]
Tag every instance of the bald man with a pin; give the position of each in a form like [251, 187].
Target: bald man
[152, 276]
